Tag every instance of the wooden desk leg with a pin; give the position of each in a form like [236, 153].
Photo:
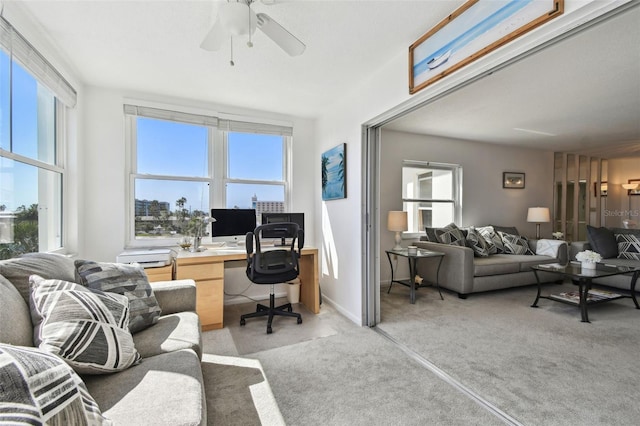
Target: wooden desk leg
[309, 287]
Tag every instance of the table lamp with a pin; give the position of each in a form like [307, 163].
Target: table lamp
[397, 222]
[538, 215]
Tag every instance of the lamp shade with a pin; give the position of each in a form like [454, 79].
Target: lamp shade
[538, 215]
[397, 221]
[630, 185]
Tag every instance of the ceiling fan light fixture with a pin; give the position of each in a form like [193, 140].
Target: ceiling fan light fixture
[233, 17]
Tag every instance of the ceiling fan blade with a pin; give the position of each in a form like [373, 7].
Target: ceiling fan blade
[214, 38]
[283, 38]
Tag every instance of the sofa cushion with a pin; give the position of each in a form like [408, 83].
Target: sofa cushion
[15, 312]
[602, 241]
[46, 265]
[85, 327]
[492, 238]
[477, 243]
[39, 388]
[166, 389]
[128, 280]
[498, 264]
[451, 234]
[628, 246]
[515, 244]
[171, 333]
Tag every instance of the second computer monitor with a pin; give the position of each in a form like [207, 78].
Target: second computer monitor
[297, 218]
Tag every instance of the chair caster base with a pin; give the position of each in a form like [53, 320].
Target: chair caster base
[299, 320]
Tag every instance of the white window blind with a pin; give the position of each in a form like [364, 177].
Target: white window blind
[20, 50]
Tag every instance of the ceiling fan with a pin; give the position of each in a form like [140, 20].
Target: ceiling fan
[236, 18]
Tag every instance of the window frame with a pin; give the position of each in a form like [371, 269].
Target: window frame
[456, 189]
[217, 135]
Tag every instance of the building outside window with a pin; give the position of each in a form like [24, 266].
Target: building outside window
[183, 165]
[431, 195]
[32, 122]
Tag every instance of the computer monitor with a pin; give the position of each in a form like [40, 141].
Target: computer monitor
[232, 225]
[281, 217]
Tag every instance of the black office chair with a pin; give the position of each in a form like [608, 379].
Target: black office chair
[273, 266]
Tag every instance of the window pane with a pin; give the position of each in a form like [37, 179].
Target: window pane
[161, 206]
[437, 215]
[30, 209]
[32, 117]
[422, 183]
[255, 156]
[171, 149]
[268, 198]
[5, 106]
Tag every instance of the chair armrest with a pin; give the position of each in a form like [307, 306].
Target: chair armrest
[563, 251]
[456, 271]
[175, 296]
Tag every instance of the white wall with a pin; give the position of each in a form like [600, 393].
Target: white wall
[340, 227]
[484, 200]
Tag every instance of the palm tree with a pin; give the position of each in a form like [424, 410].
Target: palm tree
[325, 177]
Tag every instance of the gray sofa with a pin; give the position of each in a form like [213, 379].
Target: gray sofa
[605, 242]
[165, 388]
[464, 273]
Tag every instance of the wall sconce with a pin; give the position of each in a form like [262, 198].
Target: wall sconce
[538, 215]
[397, 222]
[629, 223]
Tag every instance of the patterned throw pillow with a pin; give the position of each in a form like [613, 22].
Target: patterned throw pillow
[39, 388]
[493, 240]
[128, 280]
[515, 244]
[87, 328]
[628, 246]
[477, 243]
[451, 235]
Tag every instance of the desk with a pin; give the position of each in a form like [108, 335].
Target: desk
[206, 268]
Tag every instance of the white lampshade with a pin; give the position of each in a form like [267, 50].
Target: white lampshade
[538, 215]
[630, 185]
[397, 221]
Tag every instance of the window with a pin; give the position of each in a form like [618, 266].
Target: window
[183, 165]
[431, 194]
[31, 146]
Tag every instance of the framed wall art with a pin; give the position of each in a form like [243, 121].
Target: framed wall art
[603, 189]
[334, 173]
[470, 32]
[513, 180]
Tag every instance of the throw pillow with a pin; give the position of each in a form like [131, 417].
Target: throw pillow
[431, 234]
[493, 240]
[628, 246]
[477, 243]
[451, 235]
[128, 280]
[85, 327]
[515, 244]
[506, 229]
[602, 241]
[39, 388]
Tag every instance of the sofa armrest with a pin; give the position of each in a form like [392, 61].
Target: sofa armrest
[578, 246]
[175, 296]
[456, 271]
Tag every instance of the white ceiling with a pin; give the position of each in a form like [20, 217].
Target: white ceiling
[585, 90]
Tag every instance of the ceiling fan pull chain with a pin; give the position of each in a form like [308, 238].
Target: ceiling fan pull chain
[231, 61]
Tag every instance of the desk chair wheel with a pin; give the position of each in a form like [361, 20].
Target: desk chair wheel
[299, 320]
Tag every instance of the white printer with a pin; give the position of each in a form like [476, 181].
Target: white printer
[147, 258]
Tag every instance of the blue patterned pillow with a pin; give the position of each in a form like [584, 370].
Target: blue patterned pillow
[39, 388]
[87, 328]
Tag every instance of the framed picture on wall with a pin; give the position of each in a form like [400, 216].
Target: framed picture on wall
[603, 189]
[334, 173]
[513, 180]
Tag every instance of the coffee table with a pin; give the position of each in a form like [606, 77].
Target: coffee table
[583, 278]
[413, 258]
